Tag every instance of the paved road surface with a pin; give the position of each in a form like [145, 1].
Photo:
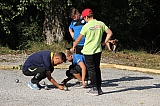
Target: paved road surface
[121, 88]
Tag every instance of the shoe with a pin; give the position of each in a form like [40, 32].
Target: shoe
[114, 51]
[78, 84]
[93, 91]
[33, 86]
[100, 92]
[40, 86]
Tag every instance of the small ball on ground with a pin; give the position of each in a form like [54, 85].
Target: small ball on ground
[17, 80]
[66, 88]
[46, 87]
[43, 83]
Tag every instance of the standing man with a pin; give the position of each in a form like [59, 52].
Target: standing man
[92, 49]
[40, 65]
[75, 28]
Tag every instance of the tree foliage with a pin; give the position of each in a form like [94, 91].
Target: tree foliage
[134, 22]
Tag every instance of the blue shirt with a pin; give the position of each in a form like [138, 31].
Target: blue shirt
[78, 58]
[76, 26]
[39, 59]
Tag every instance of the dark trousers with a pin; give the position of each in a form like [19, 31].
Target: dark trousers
[39, 73]
[93, 68]
[78, 49]
[75, 69]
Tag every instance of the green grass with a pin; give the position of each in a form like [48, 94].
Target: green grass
[126, 57]
[56, 47]
[135, 58]
[37, 46]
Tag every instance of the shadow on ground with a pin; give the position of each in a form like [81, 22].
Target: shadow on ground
[107, 83]
[110, 83]
[135, 88]
[54, 87]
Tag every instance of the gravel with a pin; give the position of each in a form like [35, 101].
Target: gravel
[121, 88]
[11, 59]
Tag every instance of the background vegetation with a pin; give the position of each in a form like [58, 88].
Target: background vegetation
[42, 24]
[134, 22]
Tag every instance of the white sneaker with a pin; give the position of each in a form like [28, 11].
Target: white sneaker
[33, 86]
[93, 91]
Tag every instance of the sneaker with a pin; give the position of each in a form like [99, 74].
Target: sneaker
[93, 91]
[100, 92]
[33, 86]
[78, 84]
[114, 51]
[40, 86]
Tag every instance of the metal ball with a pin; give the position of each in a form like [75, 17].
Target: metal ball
[46, 87]
[66, 88]
[43, 83]
[17, 80]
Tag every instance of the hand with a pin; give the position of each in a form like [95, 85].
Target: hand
[61, 87]
[112, 41]
[84, 84]
[72, 49]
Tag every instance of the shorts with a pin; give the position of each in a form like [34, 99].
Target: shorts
[73, 69]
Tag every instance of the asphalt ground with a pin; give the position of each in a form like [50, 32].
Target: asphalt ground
[120, 87]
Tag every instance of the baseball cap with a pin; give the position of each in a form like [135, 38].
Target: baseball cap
[86, 12]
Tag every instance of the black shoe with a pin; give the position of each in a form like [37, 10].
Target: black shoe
[78, 84]
[40, 86]
[100, 92]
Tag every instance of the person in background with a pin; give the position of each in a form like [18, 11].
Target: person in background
[75, 28]
[112, 44]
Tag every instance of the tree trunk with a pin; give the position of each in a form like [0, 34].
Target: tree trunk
[53, 28]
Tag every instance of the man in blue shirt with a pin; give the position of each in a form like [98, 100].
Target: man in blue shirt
[75, 28]
[41, 65]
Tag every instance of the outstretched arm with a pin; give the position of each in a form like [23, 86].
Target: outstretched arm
[109, 34]
[50, 78]
[83, 67]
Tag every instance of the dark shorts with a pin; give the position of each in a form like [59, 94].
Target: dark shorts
[75, 69]
[78, 49]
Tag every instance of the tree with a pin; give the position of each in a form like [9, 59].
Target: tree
[134, 22]
[54, 23]
[54, 17]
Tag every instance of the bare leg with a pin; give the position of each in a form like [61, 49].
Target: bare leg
[114, 46]
[65, 81]
[108, 46]
[78, 76]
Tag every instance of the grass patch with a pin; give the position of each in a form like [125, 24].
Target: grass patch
[135, 58]
[126, 57]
